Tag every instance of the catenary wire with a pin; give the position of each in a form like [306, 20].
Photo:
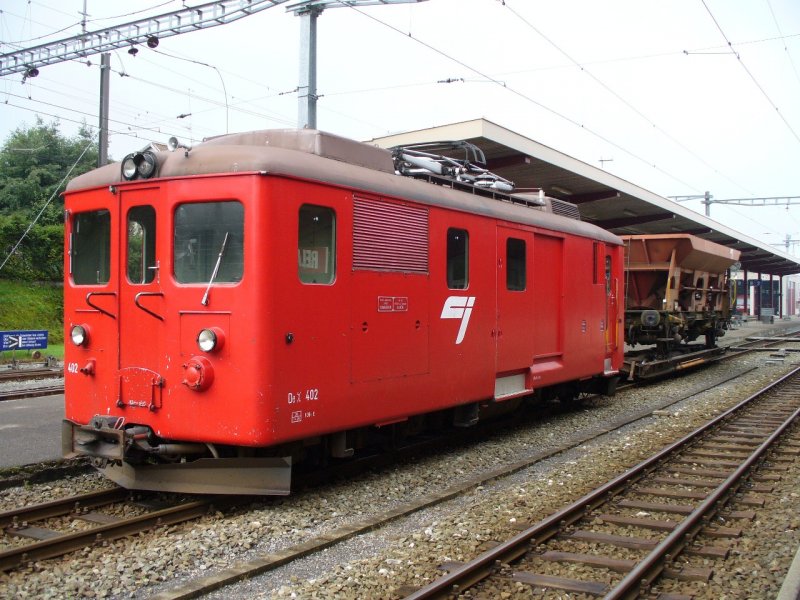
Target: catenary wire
[750, 74]
[785, 47]
[525, 97]
[624, 101]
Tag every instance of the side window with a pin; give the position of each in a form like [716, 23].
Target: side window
[457, 259]
[608, 274]
[141, 244]
[208, 237]
[516, 265]
[90, 247]
[316, 245]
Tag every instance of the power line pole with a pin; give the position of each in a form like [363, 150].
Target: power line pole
[307, 85]
[705, 197]
[308, 11]
[105, 78]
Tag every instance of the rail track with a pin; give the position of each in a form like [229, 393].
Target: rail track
[19, 394]
[16, 522]
[34, 522]
[265, 563]
[685, 486]
[25, 374]
[19, 522]
[763, 344]
[11, 376]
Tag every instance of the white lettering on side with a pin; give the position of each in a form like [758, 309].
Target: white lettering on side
[459, 307]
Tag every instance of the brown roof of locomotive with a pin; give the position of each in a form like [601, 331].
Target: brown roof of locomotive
[317, 156]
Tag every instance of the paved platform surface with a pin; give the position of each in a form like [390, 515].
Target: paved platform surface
[30, 430]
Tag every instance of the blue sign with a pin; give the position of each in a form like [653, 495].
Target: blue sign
[23, 340]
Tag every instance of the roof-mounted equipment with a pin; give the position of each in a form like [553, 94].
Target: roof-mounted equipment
[429, 161]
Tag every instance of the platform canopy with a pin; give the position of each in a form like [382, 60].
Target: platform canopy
[603, 199]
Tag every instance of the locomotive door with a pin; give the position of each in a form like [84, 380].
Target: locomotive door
[140, 302]
[515, 303]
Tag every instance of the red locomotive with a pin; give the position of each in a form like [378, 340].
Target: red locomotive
[275, 295]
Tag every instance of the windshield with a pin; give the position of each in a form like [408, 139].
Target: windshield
[200, 229]
[90, 250]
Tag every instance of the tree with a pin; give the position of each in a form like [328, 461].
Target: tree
[33, 163]
[34, 160]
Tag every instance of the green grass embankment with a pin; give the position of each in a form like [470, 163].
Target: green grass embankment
[32, 306]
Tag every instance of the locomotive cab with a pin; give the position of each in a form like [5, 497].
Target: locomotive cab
[153, 279]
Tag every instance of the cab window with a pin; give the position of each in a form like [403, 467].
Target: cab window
[316, 245]
[457, 259]
[141, 244]
[90, 247]
[207, 234]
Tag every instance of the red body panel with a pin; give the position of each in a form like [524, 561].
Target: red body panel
[303, 359]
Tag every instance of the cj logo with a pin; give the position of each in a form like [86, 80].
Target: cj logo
[459, 307]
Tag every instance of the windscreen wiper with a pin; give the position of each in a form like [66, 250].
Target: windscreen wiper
[204, 301]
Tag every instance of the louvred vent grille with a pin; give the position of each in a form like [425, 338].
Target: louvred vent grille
[389, 237]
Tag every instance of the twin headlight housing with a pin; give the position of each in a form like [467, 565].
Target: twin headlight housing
[139, 165]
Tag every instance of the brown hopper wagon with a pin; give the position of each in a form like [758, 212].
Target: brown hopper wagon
[676, 290]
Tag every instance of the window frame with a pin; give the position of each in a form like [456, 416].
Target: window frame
[149, 246]
[75, 248]
[212, 252]
[453, 257]
[308, 255]
[523, 271]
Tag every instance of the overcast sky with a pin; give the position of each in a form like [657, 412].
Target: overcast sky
[678, 96]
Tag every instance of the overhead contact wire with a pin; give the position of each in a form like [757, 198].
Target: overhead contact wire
[524, 97]
[750, 74]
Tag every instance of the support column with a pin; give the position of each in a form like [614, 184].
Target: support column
[307, 88]
[105, 72]
[746, 293]
[758, 298]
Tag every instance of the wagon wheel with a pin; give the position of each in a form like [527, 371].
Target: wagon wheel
[711, 338]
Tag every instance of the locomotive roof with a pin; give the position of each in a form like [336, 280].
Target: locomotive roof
[317, 156]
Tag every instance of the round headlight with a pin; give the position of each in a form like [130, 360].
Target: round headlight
[145, 164]
[129, 167]
[79, 335]
[207, 340]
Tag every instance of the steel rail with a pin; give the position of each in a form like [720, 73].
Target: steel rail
[480, 567]
[654, 563]
[265, 563]
[31, 392]
[492, 476]
[63, 506]
[23, 374]
[752, 345]
[60, 545]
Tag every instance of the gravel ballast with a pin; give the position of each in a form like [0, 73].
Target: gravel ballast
[405, 552]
